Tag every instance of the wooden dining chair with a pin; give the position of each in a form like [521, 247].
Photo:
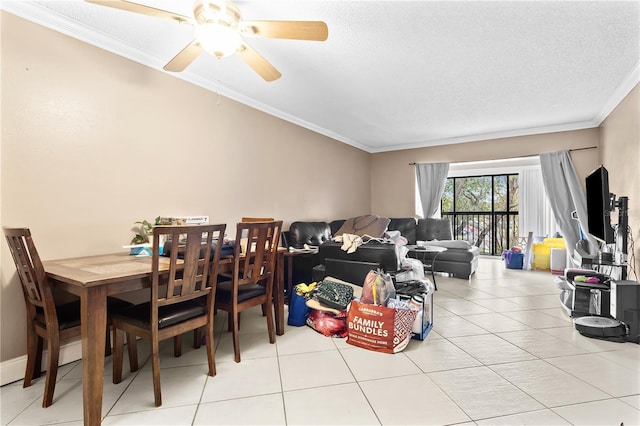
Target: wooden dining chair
[47, 319]
[181, 300]
[252, 276]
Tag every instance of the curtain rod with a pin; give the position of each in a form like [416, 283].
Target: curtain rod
[580, 149]
[535, 155]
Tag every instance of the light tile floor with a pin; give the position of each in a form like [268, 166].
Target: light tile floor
[502, 352]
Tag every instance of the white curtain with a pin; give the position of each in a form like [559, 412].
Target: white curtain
[566, 196]
[431, 179]
[534, 212]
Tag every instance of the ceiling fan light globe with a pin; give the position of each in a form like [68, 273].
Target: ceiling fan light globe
[217, 39]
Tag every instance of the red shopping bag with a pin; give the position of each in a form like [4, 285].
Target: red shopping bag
[379, 328]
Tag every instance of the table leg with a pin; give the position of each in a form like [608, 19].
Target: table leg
[289, 261]
[278, 298]
[94, 323]
[433, 277]
[433, 268]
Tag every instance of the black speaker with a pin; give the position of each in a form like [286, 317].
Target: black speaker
[625, 306]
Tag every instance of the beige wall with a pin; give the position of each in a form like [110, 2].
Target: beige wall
[620, 154]
[617, 139]
[393, 179]
[92, 142]
[89, 139]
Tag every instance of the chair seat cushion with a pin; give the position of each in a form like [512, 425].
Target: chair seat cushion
[68, 315]
[139, 315]
[246, 291]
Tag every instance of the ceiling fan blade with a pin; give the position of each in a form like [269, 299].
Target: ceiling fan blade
[183, 59]
[294, 30]
[258, 63]
[142, 9]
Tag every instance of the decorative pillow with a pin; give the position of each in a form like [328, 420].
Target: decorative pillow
[454, 244]
[371, 225]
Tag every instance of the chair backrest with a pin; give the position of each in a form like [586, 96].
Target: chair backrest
[257, 219]
[255, 251]
[36, 289]
[190, 265]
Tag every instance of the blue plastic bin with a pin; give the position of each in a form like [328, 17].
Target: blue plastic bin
[513, 260]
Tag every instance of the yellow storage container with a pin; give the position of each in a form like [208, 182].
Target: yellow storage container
[542, 252]
[555, 243]
[541, 255]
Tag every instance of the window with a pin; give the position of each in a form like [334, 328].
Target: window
[483, 210]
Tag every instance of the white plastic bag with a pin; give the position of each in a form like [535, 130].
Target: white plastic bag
[412, 269]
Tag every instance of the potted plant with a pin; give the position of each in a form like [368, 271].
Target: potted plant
[144, 231]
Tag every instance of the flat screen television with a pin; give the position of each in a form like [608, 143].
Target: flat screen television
[599, 205]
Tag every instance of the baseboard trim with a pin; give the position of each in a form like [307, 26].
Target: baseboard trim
[13, 369]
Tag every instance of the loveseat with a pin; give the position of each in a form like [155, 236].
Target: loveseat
[460, 259]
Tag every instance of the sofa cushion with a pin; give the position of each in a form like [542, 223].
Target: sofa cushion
[310, 233]
[451, 244]
[434, 229]
[406, 226]
[371, 225]
[335, 225]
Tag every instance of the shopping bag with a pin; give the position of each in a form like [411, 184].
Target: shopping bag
[377, 288]
[334, 294]
[330, 324]
[379, 328]
[298, 310]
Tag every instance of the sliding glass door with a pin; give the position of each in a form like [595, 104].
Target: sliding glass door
[483, 210]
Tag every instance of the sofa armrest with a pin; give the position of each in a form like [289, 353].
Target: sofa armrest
[347, 270]
[383, 254]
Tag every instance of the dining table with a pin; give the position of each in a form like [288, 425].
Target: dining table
[93, 278]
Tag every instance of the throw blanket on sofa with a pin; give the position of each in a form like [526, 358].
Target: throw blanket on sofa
[350, 242]
[373, 226]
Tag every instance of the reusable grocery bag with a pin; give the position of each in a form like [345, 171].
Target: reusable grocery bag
[298, 309]
[379, 328]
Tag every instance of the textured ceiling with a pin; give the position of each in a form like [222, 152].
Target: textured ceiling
[399, 74]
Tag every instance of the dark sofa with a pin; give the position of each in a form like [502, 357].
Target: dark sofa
[459, 262]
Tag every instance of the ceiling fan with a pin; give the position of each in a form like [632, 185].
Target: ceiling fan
[219, 28]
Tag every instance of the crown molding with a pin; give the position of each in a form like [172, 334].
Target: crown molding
[623, 89]
[564, 127]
